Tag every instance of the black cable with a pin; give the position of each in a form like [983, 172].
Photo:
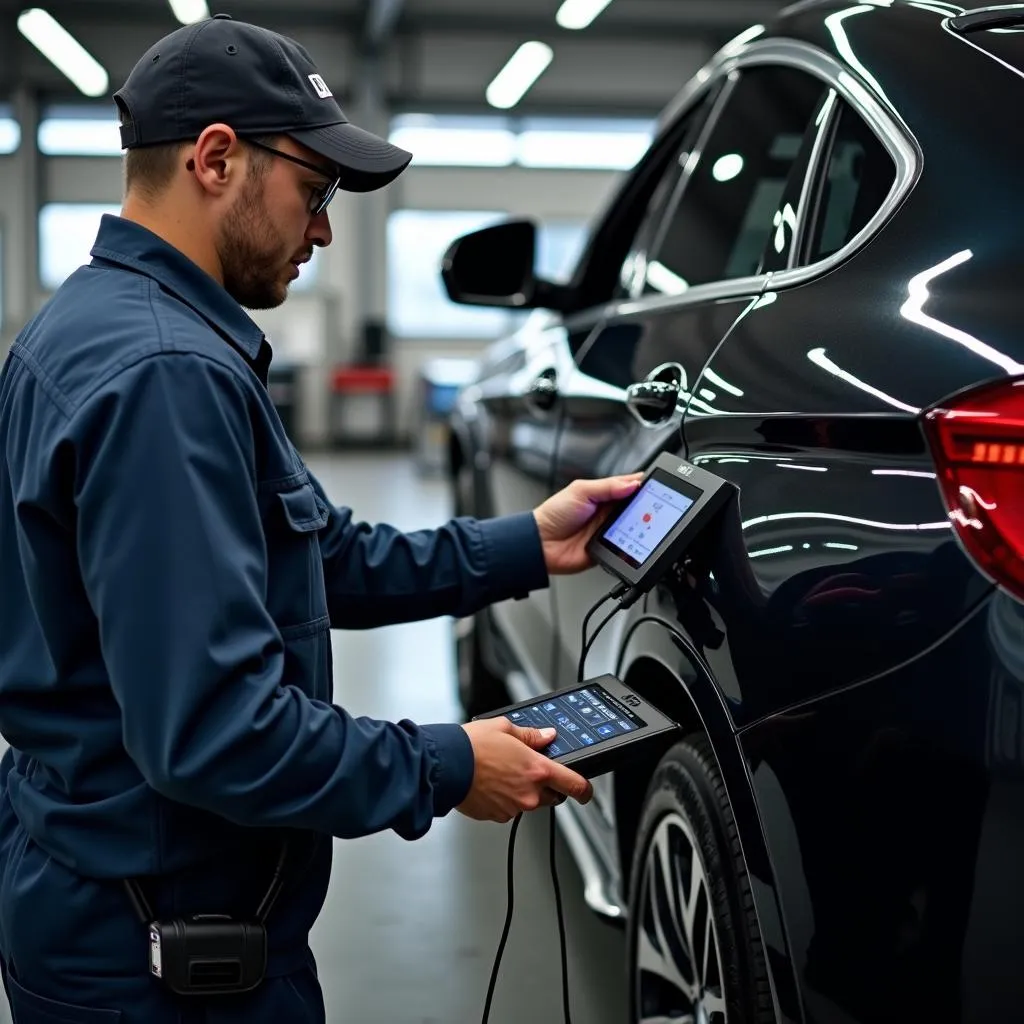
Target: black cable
[619, 592]
[561, 922]
[508, 919]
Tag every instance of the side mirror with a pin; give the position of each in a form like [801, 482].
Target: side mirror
[493, 266]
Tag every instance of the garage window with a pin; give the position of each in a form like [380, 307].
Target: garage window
[79, 130]
[418, 305]
[578, 143]
[10, 131]
[66, 234]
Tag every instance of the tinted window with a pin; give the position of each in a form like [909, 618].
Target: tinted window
[858, 176]
[789, 213]
[722, 224]
[686, 133]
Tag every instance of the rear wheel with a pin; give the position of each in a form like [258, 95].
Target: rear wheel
[694, 946]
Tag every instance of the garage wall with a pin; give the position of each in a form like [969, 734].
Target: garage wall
[320, 328]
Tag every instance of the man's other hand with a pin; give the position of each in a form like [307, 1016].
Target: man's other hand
[510, 775]
[568, 519]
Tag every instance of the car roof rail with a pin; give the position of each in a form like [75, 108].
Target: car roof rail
[1005, 16]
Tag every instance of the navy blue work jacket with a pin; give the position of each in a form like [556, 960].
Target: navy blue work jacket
[169, 573]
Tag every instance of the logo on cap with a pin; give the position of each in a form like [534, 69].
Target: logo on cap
[321, 87]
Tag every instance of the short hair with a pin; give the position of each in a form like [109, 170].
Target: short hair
[150, 169]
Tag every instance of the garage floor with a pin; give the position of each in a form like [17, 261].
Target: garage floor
[409, 932]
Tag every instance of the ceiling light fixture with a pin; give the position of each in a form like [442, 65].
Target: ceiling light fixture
[524, 67]
[579, 13]
[189, 11]
[63, 51]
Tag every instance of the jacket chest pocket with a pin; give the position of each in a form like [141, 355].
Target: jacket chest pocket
[296, 596]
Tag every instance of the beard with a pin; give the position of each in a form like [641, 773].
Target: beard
[253, 256]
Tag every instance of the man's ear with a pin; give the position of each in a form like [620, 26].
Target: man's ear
[217, 160]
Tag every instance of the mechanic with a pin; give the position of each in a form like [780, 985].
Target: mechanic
[170, 570]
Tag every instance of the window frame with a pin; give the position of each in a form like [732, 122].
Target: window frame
[815, 184]
[891, 131]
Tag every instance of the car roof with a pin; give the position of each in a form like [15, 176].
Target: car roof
[903, 51]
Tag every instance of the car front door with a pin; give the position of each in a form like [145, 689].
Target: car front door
[526, 406]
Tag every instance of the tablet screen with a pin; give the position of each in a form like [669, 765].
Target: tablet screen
[583, 718]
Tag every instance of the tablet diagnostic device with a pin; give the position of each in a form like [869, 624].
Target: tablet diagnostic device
[646, 534]
[600, 723]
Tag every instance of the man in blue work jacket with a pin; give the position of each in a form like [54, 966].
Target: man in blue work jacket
[170, 571]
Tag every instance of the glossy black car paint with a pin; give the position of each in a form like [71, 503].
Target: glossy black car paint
[861, 682]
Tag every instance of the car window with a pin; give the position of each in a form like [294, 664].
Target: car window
[719, 229]
[687, 131]
[790, 213]
[859, 174]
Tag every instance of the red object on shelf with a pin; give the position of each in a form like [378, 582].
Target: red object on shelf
[347, 382]
[347, 379]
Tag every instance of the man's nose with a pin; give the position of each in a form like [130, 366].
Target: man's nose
[320, 232]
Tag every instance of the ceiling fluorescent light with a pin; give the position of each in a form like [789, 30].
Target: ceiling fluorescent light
[579, 13]
[190, 11]
[524, 67]
[62, 50]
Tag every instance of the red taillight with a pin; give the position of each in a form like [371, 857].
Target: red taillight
[978, 443]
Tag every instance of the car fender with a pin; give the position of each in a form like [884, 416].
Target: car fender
[660, 663]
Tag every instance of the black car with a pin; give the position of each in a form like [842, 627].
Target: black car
[812, 286]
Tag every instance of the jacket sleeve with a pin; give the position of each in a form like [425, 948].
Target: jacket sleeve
[377, 575]
[173, 559]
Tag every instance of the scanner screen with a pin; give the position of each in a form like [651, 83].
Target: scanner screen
[646, 521]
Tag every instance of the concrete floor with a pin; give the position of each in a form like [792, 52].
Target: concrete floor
[410, 930]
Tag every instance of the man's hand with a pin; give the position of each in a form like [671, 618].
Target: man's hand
[509, 774]
[568, 519]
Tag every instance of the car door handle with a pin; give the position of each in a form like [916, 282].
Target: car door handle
[653, 401]
[543, 390]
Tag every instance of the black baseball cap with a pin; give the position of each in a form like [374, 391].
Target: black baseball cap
[259, 83]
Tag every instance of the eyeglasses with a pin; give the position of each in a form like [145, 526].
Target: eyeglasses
[321, 199]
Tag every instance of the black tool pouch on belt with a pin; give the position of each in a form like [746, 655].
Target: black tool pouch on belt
[208, 954]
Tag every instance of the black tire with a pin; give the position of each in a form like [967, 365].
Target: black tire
[479, 689]
[687, 824]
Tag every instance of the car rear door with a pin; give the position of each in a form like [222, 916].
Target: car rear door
[839, 562]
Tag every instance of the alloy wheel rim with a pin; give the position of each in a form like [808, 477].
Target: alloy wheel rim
[677, 975]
